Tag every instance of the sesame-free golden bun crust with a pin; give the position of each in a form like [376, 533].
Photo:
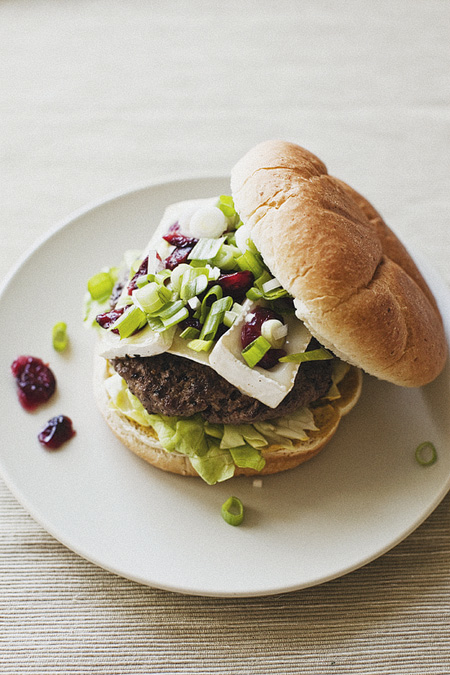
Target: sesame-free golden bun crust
[354, 284]
[143, 441]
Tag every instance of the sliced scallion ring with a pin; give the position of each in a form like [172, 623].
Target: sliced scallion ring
[254, 352]
[215, 317]
[251, 261]
[233, 511]
[321, 354]
[100, 286]
[200, 345]
[426, 454]
[190, 333]
[206, 248]
[59, 336]
[131, 320]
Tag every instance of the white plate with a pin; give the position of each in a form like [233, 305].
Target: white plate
[362, 495]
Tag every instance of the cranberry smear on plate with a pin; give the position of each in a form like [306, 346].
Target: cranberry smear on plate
[57, 431]
[35, 381]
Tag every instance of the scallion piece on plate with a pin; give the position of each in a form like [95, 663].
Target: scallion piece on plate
[233, 511]
[59, 336]
[321, 354]
[426, 454]
[254, 352]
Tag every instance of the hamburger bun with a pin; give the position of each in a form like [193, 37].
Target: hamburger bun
[143, 441]
[355, 286]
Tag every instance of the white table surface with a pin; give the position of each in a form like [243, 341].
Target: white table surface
[99, 95]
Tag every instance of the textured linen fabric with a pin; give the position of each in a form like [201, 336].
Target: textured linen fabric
[98, 95]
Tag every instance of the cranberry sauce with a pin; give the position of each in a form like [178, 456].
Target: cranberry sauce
[179, 240]
[35, 381]
[57, 431]
[132, 285]
[236, 284]
[252, 330]
[178, 256]
[183, 246]
[107, 319]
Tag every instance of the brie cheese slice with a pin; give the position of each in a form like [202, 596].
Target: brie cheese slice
[145, 343]
[268, 386]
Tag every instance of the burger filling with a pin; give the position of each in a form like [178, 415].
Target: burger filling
[204, 342]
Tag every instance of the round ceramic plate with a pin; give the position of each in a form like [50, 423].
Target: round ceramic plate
[359, 497]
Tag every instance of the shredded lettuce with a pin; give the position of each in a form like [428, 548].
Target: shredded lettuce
[213, 449]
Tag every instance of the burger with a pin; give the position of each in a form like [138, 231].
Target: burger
[235, 342]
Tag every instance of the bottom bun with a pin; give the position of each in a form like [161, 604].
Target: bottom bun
[143, 441]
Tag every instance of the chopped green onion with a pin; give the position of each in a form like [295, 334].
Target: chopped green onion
[226, 205]
[194, 303]
[179, 316]
[226, 259]
[59, 336]
[162, 276]
[215, 317]
[190, 333]
[229, 318]
[254, 352]
[144, 280]
[313, 355]
[200, 345]
[254, 294]
[130, 321]
[426, 454]
[194, 286]
[233, 511]
[156, 324]
[176, 275]
[206, 248]
[100, 285]
[152, 297]
[202, 311]
[251, 261]
[275, 332]
[270, 285]
[173, 313]
[269, 288]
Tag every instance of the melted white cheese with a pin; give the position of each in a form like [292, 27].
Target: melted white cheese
[268, 386]
[145, 343]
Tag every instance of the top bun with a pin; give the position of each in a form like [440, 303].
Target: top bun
[355, 286]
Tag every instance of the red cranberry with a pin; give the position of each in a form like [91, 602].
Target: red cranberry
[236, 284]
[57, 431]
[108, 318]
[35, 381]
[179, 240]
[142, 271]
[252, 330]
[178, 256]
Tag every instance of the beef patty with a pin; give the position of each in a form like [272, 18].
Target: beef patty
[171, 385]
